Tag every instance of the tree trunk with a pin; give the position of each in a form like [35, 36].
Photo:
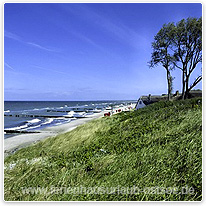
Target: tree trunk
[183, 84]
[168, 86]
[187, 87]
[169, 94]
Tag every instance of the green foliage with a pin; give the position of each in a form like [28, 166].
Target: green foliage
[179, 46]
[159, 145]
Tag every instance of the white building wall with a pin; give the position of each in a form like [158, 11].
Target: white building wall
[140, 104]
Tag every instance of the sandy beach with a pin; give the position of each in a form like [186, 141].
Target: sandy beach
[12, 144]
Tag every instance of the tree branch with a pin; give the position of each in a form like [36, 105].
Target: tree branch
[197, 80]
[177, 66]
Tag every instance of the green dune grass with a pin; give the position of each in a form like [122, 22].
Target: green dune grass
[159, 146]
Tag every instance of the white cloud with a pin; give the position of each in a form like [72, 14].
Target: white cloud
[8, 66]
[18, 38]
[114, 28]
[11, 36]
[51, 70]
[39, 46]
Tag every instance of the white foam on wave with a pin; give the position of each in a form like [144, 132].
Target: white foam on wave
[35, 109]
[75, 114]
[48, 121]
[66, 121]
[89, 113]
[70, 114]
[6, 111]
[58, 123]
[17, 128]
[34, 121]
[25, 126]
[32, 127]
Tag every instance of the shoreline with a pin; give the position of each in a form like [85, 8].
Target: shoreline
[12, 144]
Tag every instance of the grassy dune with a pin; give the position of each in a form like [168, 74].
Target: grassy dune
[157, 146]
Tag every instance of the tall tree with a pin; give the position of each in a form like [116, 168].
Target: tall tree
[179, 46]
[161, 54]
[187, 46]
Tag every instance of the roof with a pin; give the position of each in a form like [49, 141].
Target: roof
[192, 94]
[149, 99]
[152, 99]
[196, 93]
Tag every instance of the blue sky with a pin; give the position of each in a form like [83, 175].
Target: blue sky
[86, 51]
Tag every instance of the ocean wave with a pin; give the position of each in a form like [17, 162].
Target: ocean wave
[34, 121]
[26, 125]
[63, 122]
[89, 113]
[6, 111]
[32, 127]
[75, 114]
[35, 109]
[37, 123]
[48, 121]
[58, 123]
[18, 128]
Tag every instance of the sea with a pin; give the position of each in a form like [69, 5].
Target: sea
[31, 116]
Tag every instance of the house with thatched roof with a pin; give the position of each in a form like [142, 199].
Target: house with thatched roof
[150, 99]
